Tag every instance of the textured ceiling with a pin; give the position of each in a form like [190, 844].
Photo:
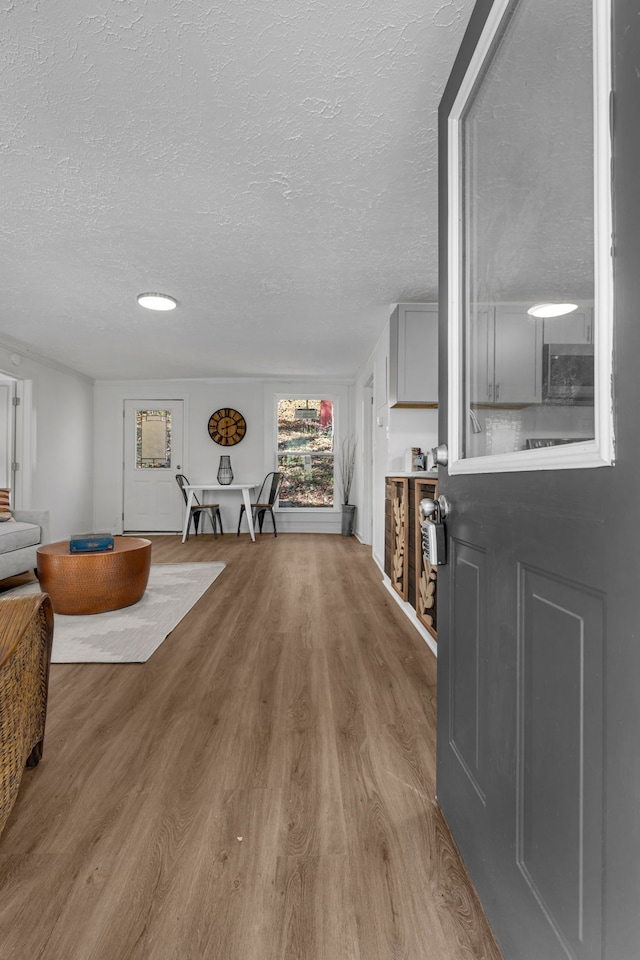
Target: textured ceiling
[272, 164]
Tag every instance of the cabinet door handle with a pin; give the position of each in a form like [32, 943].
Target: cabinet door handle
[588, 333]
[489, 391]
[497, 391]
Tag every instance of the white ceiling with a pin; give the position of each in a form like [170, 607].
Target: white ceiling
[272, 164]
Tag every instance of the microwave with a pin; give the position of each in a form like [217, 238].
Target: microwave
[567, 372]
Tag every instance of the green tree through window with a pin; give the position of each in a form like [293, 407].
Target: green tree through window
[306, 453]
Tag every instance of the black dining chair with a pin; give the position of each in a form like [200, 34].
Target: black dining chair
[197, 509]
[265, 502]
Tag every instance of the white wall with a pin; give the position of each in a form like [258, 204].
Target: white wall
[54, 442]
[251, 459]
[73, 432]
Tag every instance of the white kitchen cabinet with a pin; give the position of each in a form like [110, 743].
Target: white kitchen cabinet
[575, 327]
[506, 356]
[480, 369]
[413, 355]
[518, 356]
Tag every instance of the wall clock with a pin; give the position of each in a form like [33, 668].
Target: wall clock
[227, 427]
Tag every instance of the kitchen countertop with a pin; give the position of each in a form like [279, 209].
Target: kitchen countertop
[424, 474]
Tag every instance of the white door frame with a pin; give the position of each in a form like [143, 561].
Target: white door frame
[366, 527]
[20, 441]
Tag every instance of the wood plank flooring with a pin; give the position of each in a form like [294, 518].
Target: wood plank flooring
[261, 789]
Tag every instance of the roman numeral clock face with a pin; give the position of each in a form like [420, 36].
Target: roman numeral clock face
[227, 427]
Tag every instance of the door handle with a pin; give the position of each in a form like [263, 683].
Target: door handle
[427, 508]
[441, 507]
[440, 455]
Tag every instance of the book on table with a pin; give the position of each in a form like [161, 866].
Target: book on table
[90, 542]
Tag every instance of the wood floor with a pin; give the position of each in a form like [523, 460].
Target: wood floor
[261, 789]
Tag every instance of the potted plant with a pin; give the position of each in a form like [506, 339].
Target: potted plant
[347, 469]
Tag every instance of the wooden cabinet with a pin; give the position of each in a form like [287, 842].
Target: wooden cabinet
[413, 355]
[506, 356]
[396, 551]
[426, 577]
[414, 579]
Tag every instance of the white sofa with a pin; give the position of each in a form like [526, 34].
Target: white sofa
[19, 540]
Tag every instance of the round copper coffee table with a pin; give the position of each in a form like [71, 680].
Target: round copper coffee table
[94, 582]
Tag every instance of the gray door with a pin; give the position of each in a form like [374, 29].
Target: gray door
[538, 639]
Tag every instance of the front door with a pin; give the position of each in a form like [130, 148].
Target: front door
[152, 457]
[538, 649]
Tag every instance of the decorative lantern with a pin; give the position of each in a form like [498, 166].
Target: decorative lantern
[225, 473]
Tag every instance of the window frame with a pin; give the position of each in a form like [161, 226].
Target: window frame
[599, 452]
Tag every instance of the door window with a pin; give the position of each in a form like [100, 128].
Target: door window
[153, 439]
[529, 286]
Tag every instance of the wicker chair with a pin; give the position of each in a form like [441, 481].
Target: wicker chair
[26, 633]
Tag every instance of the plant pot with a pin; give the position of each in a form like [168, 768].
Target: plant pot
[348, 519]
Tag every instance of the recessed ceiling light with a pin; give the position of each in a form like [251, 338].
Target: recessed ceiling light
[552, 309]
[156, 301]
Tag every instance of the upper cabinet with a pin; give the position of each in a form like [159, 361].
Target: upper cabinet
[506, 352]
[575, 327]
[413, 355]
[518, 356]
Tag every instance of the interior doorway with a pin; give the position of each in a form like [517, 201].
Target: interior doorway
[7, 431]
[15, 439]
[367, 426]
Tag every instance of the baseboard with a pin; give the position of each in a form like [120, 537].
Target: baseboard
[288, 524]
[411, 616]
[150, 533]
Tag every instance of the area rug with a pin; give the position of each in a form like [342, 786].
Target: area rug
[132, 634]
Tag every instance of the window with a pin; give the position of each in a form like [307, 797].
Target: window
[530, 267]
[306, 452]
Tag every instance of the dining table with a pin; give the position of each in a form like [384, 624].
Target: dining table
[191, 489]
